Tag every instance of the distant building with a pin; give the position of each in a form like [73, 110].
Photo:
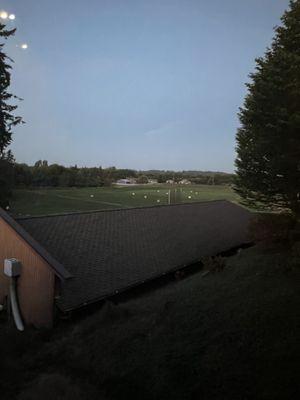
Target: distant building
[170, 182]
[184, 182]
[152, 181]
[126, 181]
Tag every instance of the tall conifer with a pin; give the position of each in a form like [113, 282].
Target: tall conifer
[268, 140]
[7, 120]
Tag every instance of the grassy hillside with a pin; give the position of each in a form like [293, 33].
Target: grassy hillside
[229, 335]
[49, 201]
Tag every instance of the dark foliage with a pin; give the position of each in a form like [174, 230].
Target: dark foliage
[272, 228]
[142, 179]
[55, 175]
[6, 178]
[268, 141]
[7, 120]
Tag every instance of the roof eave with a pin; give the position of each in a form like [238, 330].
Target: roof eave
[57, 268]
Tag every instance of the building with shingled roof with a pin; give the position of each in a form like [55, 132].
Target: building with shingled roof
[72, 260]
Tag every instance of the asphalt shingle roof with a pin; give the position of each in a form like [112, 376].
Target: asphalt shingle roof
[109, 251]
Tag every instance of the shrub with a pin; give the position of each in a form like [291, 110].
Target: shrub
[179, 275]
[142, 179]
[272, 228]
[214, 264]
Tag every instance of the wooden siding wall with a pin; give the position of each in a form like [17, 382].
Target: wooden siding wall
[36, 283]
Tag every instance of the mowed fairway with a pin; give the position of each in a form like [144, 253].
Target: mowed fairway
[61, 200]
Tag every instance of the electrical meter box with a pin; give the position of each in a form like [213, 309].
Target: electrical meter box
[12, 267]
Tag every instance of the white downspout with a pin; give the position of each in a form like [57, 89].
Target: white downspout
[14, 304]
[12, 269]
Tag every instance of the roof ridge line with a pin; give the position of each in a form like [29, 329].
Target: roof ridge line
[66, 214]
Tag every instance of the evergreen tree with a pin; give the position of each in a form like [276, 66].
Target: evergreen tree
[268, 141]
[7, 120]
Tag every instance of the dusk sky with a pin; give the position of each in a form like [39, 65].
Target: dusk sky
[140, 84]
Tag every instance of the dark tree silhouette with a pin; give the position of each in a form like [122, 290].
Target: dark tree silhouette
[7, 120]
[268, 141]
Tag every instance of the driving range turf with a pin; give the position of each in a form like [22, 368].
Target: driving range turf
[43, 201]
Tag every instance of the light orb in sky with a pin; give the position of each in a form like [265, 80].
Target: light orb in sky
[3, 15]
[12, 16]
[24, 46]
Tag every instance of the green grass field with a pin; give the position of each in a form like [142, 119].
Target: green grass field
[52, 201]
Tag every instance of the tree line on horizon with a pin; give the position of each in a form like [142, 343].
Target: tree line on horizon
[43, 174]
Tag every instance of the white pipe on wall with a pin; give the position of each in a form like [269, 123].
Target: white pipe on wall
[14, 304]
[12, 269]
